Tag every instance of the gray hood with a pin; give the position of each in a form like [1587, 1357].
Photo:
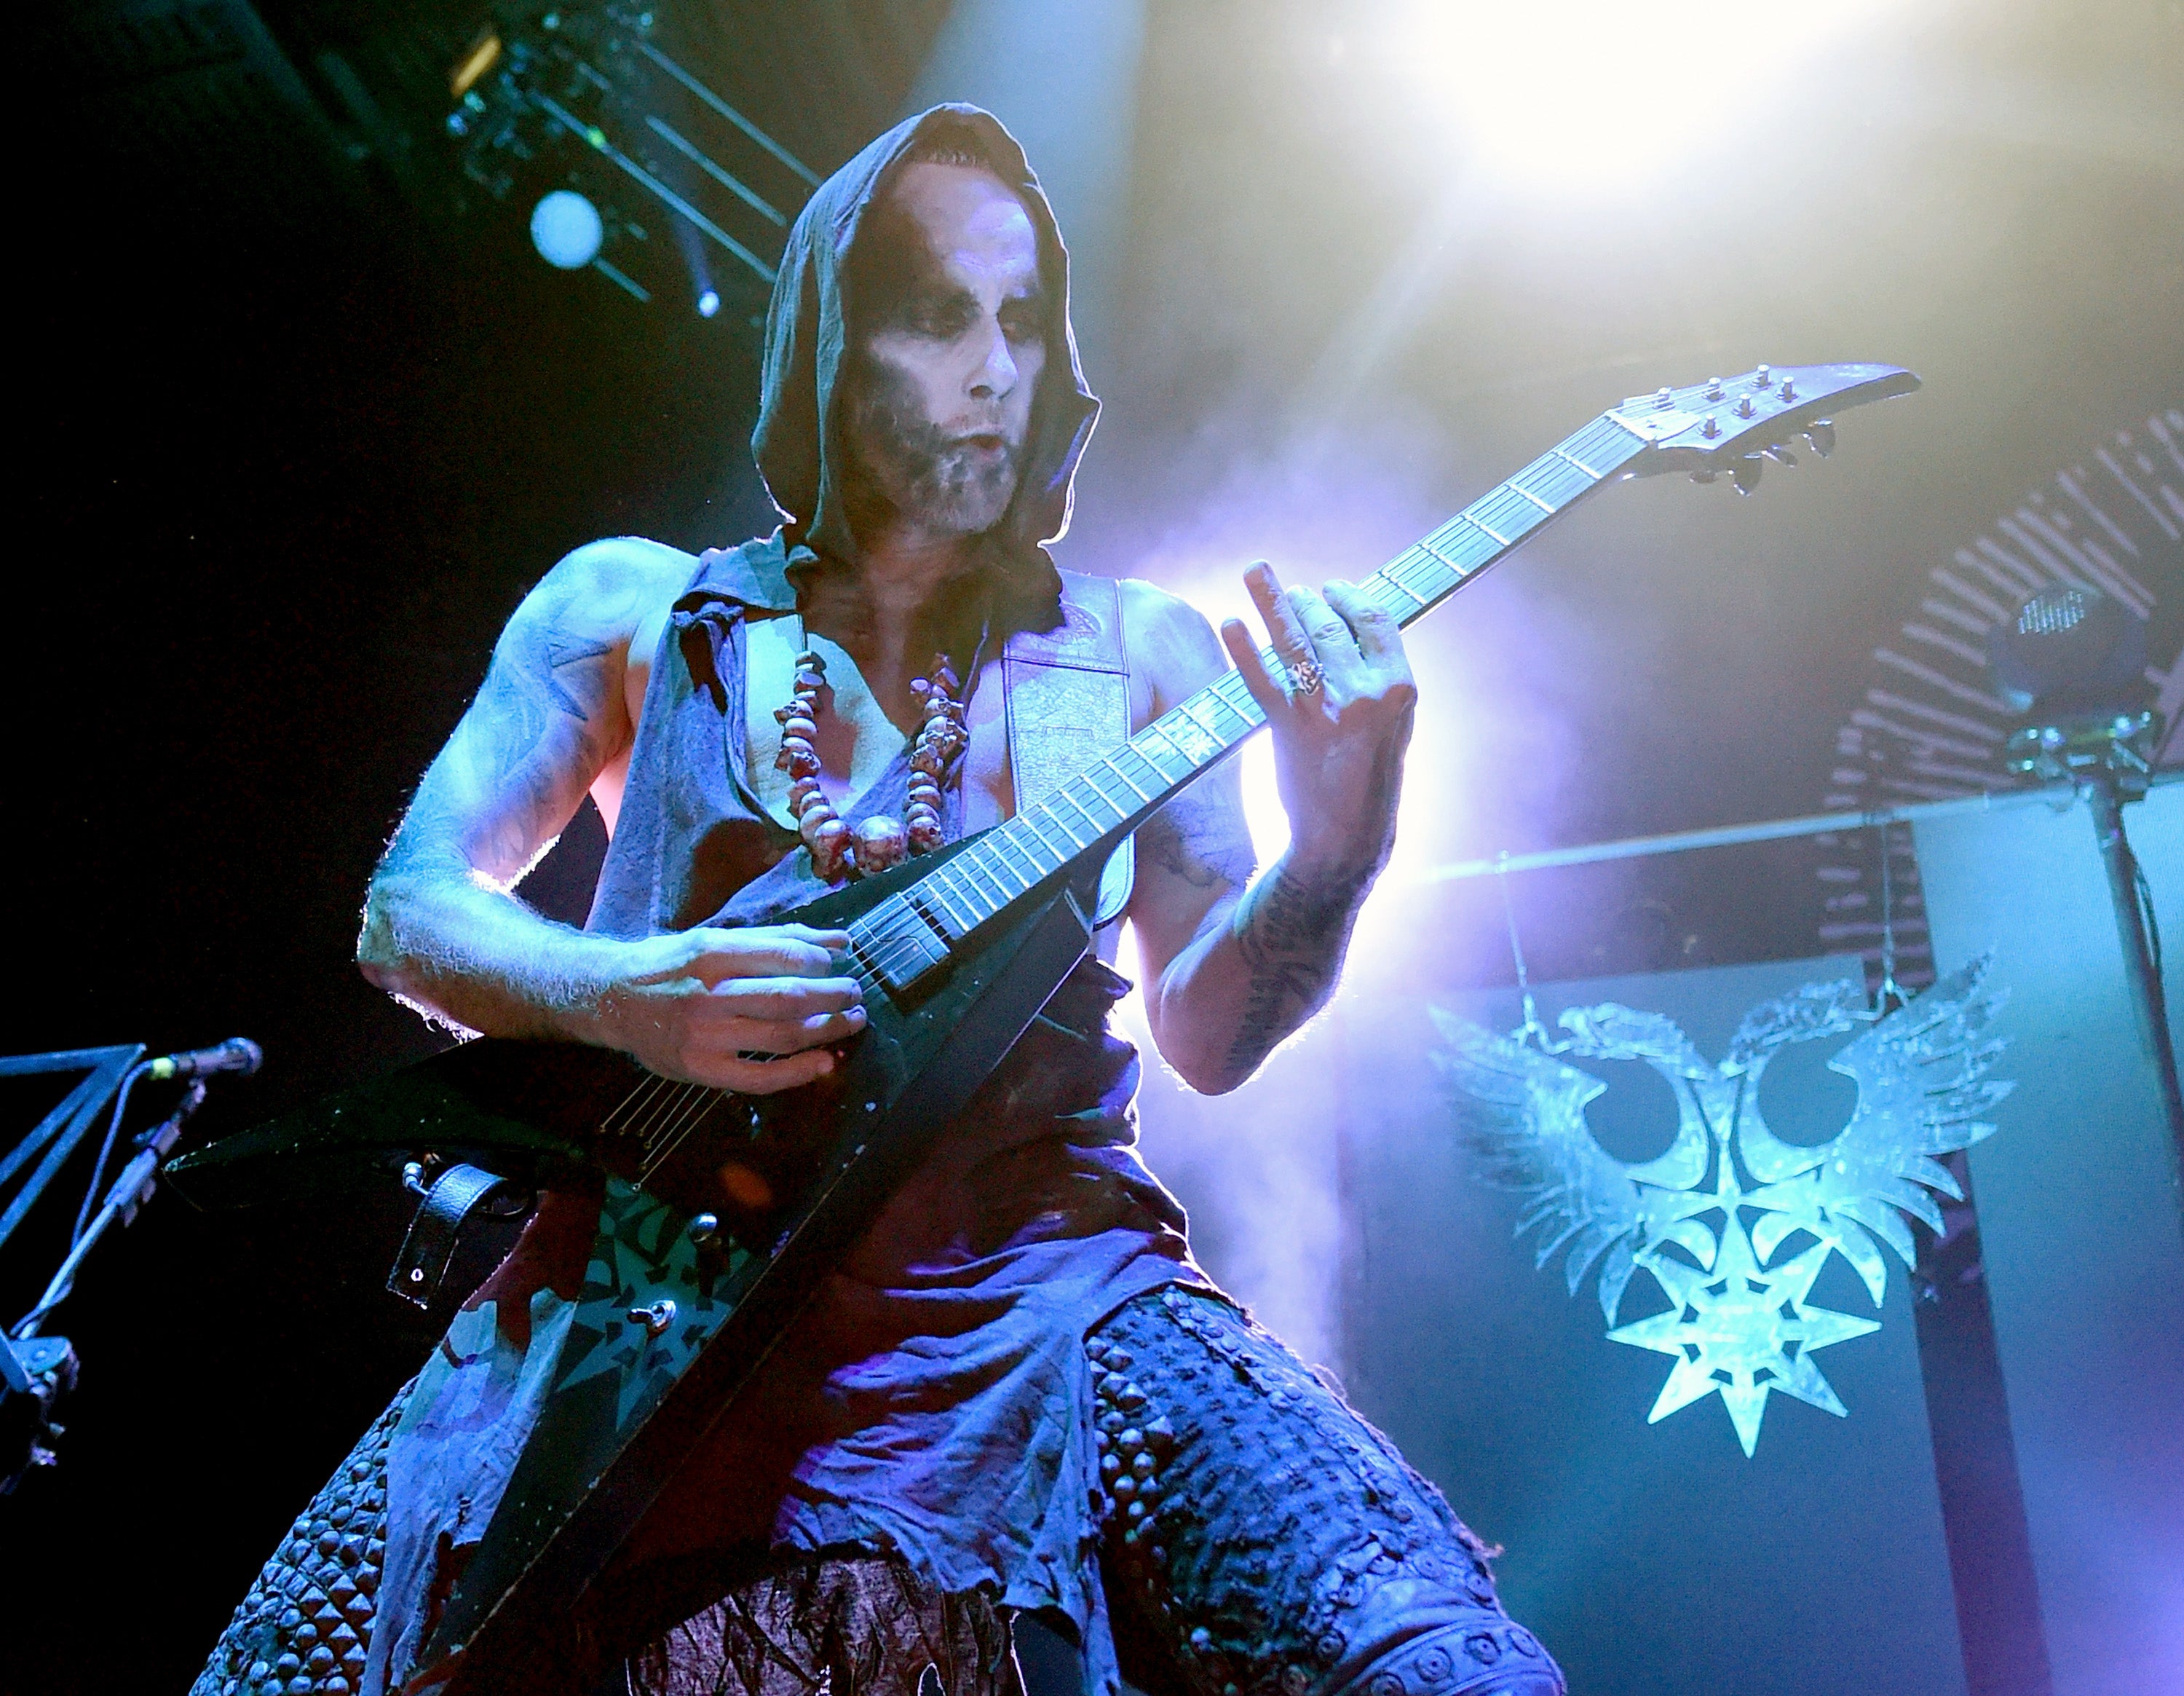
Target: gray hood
[797, 443]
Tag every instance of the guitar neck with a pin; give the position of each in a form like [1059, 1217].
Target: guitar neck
[1082, 820]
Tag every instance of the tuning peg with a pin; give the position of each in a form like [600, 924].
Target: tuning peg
[1779, 453]
[1821, 434]
[1744, 474]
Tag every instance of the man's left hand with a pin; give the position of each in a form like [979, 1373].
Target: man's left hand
[1338, 745]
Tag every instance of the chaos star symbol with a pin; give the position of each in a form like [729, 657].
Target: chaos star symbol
[1733, 1224]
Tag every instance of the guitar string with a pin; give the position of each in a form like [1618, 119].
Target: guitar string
[672, 1111]
[682, 1099]
[660, 1107]
[639, 1102]
[610, 1122]
[697, 1104]
[691, 1103]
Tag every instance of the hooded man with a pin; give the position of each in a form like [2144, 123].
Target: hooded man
[1018, 1393]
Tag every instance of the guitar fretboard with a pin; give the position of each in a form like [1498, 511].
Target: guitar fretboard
[911, 933]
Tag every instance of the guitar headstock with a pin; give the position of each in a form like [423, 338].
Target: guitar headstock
[1736, 424]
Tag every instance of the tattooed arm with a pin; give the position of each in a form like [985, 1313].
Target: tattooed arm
[1235, 965]
[555, 717]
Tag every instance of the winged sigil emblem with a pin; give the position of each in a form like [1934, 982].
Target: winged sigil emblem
[1733, 1224]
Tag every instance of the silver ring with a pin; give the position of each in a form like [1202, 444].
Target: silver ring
[1306, 677]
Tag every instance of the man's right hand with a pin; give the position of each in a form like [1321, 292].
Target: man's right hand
[694, 1003]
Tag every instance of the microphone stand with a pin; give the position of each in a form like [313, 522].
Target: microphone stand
[130, 1191]
[36, 1372]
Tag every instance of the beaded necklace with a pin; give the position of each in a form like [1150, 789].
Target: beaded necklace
[837, 852]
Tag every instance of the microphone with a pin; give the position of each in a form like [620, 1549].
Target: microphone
[237, 1054]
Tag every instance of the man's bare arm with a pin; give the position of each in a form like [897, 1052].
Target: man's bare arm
[1233, 966]
[442, 929]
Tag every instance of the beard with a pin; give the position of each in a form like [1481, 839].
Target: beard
[907, 468]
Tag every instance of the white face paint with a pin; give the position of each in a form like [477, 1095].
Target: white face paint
[949, 357]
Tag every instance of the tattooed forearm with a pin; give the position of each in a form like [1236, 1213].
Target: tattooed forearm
[1286, 940]
[1291, 931]
[441, 924]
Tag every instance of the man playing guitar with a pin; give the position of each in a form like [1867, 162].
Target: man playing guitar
[1019, 1392]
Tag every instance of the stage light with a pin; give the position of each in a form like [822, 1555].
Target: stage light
[2067, 650]
[567, 230]
[709, 302]
[1602, 93]
[483, 54]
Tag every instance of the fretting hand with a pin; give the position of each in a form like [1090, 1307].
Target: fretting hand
[1340, 720]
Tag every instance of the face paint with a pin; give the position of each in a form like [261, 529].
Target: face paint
[940, 377]
[955, 480]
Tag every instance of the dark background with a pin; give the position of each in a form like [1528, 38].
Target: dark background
[295, 444]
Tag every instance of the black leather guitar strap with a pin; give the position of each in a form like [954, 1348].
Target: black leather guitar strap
[422, 1265]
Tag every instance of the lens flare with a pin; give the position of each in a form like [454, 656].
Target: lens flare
[1602, 93]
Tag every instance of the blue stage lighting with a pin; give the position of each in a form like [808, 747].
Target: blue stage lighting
[709, 302]
[567, 230]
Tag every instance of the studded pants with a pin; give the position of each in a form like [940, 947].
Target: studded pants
[305, 1627]
[1262, 1538]
[1258, 1537]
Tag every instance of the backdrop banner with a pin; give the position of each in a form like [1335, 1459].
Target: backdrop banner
[1719, 1477]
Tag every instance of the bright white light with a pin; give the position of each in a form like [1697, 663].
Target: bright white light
[1606, 91]
[709, 302]
[567, 230]
[1264, 816]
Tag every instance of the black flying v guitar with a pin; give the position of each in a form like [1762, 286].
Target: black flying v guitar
[721, 1212]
